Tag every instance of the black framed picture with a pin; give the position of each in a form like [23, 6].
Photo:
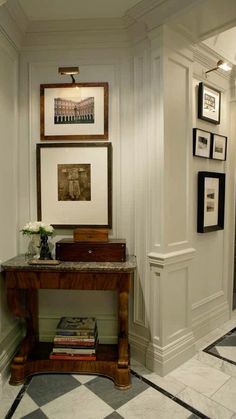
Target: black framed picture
[74, 184]
[211, 201]
[209, 102]
[201, 143]
[219, 147]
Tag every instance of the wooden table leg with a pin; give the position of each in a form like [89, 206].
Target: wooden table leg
[23, 303]
[123, 312]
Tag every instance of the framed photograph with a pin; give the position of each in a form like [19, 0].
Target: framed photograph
[219, 147]
[77, 111]
[74, 184]
[201, 143]
[211, 201]
[209, 101]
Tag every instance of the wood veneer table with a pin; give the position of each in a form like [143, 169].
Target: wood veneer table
[22, 283]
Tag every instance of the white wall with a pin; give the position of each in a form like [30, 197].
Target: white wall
[8, 187]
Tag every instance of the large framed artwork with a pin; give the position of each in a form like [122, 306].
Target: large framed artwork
[219, 147]
[74, 184]
[211, 201]
[76, 111]
[209, 102]
[201, 143]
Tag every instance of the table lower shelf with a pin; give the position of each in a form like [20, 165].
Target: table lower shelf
[38, 361]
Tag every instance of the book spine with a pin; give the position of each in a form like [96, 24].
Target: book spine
[73, 357]
[74, 351]
[74, 337]
[86, 333]
[79, 343]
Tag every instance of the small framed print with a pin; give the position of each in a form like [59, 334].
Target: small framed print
[219, 147]
[77, 111]
[211, 201]
[209, 102]
[201, 143]
[74, 184]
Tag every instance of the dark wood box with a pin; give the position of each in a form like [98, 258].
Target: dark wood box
[71, 251]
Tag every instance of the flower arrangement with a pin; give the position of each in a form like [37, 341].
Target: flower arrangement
[37, 227]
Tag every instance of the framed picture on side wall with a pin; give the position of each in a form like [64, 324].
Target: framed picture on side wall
[211, 201]
[74, 184]
[201, 143]
[219, 147]
[77, 111]
[209, 102]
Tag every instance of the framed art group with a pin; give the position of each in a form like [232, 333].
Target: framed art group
[74, 179]
[209, 145]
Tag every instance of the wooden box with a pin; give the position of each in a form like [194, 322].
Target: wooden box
[71, 251]
[91, 235]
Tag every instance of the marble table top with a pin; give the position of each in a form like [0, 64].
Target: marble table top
[20, 263]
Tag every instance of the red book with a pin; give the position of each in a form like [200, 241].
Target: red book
[73, 357]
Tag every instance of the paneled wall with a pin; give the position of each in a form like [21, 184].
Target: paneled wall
[96, 65]
[8, 188]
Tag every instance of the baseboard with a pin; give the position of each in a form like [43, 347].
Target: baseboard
[209, 320]
[163, 360]
[138, 347]
[9, 344]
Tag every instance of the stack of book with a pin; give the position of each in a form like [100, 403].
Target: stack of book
[76, 338]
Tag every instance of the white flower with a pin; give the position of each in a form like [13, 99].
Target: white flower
[37, 227]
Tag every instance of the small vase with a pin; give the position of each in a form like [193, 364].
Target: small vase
[34, 247]
[45, 253]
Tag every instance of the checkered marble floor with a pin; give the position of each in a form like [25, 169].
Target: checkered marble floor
[65, 396]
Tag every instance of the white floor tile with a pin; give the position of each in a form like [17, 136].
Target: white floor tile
[82, 378]
[201, 377]
[167, 383]
[228, 352]
[205, 405]
[226, 395]
[78, 403]
[26, 406]
[152, 405]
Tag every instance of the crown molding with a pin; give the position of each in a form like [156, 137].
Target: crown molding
[76, 25]
[17, 14]
[157, 12]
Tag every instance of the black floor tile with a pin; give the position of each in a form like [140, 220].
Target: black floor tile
[36, 414]
[46, 387]
[105, 389]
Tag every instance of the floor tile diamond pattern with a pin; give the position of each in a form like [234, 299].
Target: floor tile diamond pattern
[66, 396]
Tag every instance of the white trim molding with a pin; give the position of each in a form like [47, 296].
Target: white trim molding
[8, 347]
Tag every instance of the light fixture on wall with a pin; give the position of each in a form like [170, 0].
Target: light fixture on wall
[69, 71]
[220, 64]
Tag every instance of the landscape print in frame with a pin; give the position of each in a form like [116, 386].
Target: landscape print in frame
[77, 111]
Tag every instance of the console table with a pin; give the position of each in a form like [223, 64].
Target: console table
[22, 283]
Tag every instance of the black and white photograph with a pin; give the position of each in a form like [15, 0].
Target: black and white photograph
[201, 143]
[209, 102]
[211, 201]
[219, 147]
